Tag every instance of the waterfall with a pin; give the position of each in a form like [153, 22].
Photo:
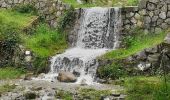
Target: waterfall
[117, 27]
[95, 37]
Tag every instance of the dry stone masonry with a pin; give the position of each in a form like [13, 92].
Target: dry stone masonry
[51, 10]
[151, 15]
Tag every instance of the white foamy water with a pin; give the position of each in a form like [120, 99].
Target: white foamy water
[96, 36]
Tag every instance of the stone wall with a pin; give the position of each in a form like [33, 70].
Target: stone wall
[51, 10]
[151, 15]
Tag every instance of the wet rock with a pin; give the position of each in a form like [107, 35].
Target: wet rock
[141, 55]
[28, 76]
[102, 81]
[76, 73]
[152, 50]
[144, 66]
[41, 76]
[66, 77]
[30, 95]
[153, 58]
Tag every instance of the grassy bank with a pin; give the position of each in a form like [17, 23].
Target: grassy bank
[136, 44]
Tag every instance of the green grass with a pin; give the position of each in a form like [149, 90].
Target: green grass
[45, 41]
[146, 88]
[17, 19]
[137, 44]
[102, 3]
[10, 73]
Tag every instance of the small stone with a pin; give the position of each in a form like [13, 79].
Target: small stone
[151, 14]
[151, 6]
[133, 20]
[167, 39]
[154, 18]
[147, 19]
[158, 30]
[162, 15]
[137, 16]
[139, 23]
[159, 21]
[164, 26]
[167, 21]
[142, 12]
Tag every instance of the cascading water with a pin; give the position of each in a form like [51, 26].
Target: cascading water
[97, 34]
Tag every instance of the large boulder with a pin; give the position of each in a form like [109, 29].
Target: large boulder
[66, 77]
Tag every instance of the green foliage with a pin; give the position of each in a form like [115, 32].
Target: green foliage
[10, 73]
[135, 44]
[25, 8]
[6, 88]
[146, 88]
[92, 94]
[113, 71]
[45, 41]
[64, 95]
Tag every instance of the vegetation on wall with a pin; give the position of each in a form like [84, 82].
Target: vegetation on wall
[89, 3]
